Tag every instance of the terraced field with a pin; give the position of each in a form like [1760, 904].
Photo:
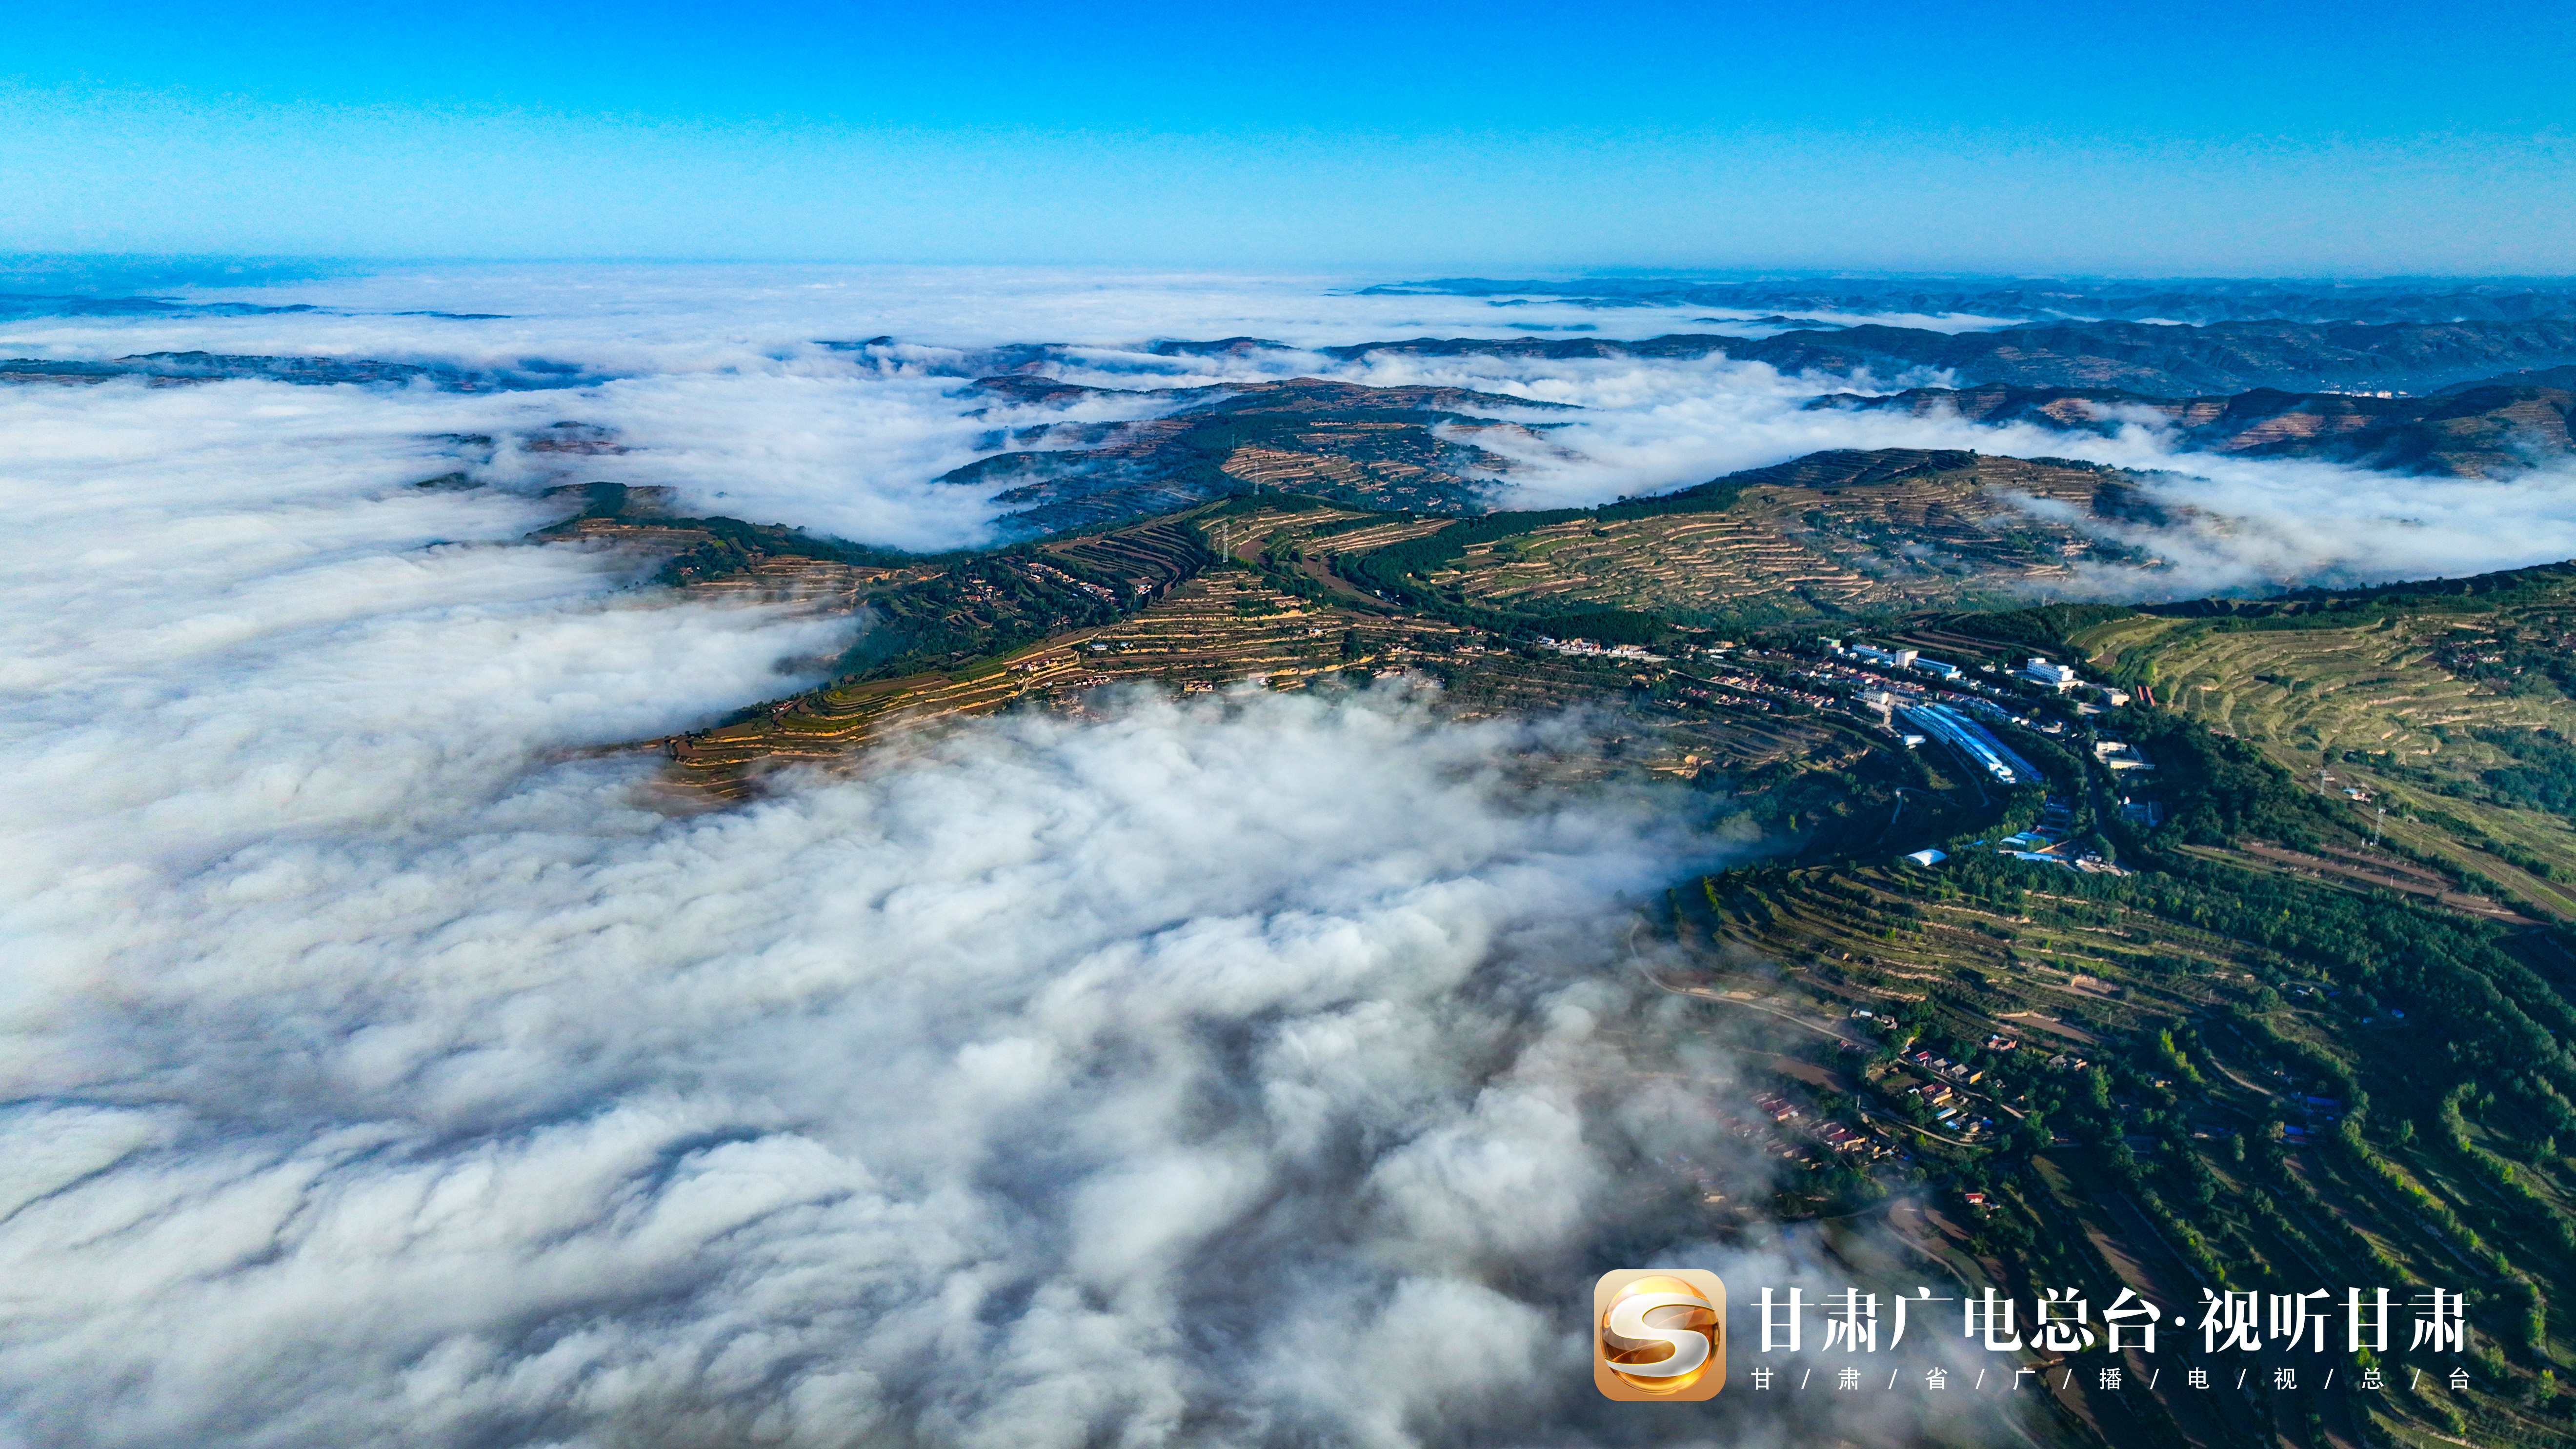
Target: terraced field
[2390, 717]
[1417, 448]
[2380, 688]
[1220, 627]
[1235, 624]
[2188, 1072]
[1876, 533]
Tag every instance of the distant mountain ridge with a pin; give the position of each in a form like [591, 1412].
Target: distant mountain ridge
[17, 305]
[2416, 300]
[180, 368]
[1418, 448]
[2154, 359]
[2488, 428]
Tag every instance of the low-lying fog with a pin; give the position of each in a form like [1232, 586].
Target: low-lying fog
[383, 1064]
[721, 390]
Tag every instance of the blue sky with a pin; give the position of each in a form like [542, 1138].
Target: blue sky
[2358, 139]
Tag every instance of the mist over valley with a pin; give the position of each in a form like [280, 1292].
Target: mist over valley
[603, 855]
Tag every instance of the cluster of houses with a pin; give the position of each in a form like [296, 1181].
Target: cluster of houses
[1594, 649]
[1833, 1135]
[2126, 764]
[2047, 674]
[1841, 1138]
[2119, 756]
[1950, 1109]
[2319, 1113]
[2062, 679]
[1957, 1071]
[1907, 659]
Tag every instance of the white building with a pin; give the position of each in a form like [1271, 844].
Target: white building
[2056, 676]
[1891, 658]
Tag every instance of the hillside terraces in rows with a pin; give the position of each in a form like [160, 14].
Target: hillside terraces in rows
[1150, 557]
[1295, 530]
[2380, 687]
[2420, 725]
[2186, 1094]
[1217, 628]
[1482, 674]
[1907, 537]
[1378, 533]
[1230, 626]
[2272, 1051]
[815, 583]
[1319, 472]
[1374, 447]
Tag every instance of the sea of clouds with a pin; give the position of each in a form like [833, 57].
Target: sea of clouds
[718, 380]
[386, 1059]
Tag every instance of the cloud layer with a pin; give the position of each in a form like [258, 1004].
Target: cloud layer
[382, 1064]
[725, 396]
[1061, 1082]
[386, 1059]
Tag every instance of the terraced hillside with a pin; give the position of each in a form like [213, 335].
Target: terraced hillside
[2448, 714]
[1828, 536]
[1223, 626]
[2235, 1061]
[1374, 447]
[1832, 535]
[1228, 595]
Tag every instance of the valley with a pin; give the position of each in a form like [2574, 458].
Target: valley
[2120, 1015]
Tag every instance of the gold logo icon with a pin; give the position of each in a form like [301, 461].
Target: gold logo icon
[1659, 1335]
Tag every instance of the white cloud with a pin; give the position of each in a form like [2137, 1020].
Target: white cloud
[387, 1064]
[2252, 523]
[2268, 525]
[947, 1095]
[724, 398]
[383, 1068]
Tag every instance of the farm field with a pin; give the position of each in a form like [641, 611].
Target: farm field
[2410, 719]
[1942, 531]
[1370, 447]
[2167, 1088]
[1229, 595]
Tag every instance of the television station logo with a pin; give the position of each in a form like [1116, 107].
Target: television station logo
[1659, 1335]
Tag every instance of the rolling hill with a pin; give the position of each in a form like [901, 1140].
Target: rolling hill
[1415, 448]
[2484, 428]
[2157, 359]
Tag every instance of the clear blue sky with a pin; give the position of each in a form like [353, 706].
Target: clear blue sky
[2359, 139]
